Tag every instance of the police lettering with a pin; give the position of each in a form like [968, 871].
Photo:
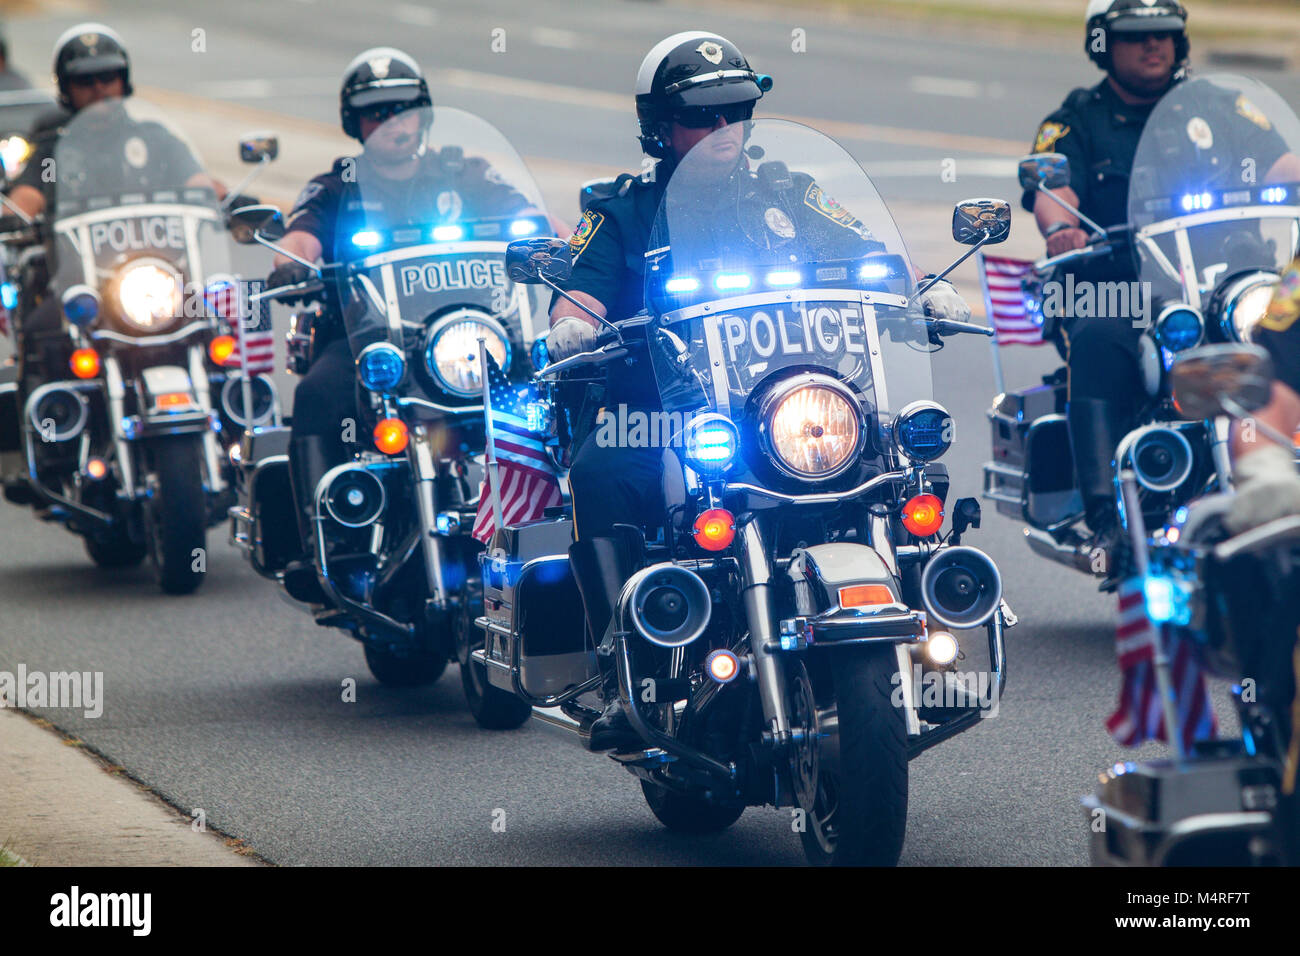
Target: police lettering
[815, 330]
[125, 235]
[461, 274]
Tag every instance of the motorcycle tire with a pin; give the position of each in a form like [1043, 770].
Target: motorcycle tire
[860, 813]
[683, 813]
[177, 515]
[116, 551]
[413, 669]
[491, 707]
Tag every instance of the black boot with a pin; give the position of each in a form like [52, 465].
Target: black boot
[308, 462]
[600, 567]
[1096, 429]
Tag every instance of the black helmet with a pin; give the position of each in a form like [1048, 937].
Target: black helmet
[380, 75]
[691, 69]
[1135, 16]
[87, 49]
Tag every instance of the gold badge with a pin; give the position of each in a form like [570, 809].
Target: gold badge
[590, 225]
[136, 152]
[779, 223]
[1048, 135]
[710, 51]
[1199, 132]
[1284, 310]
[91, 40]
[1253, 113]
[379, 66]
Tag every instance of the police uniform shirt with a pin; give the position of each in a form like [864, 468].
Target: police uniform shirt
[1098, 132]
[122, 155]
[432, 195]
[1279, 332]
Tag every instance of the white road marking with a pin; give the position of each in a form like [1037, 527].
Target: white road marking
[924, 168]
[414, 15]
[557, 39]
[946, 86]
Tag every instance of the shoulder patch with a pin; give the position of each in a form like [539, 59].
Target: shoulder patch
[1049, 134]
[309, 192]
[588, 227]
[1284, 310]
[1253, 113]
[816, 199]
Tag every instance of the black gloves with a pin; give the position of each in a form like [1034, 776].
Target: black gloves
[291, 273]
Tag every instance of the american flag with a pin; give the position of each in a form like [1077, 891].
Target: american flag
[255, 338]
[1139, 716]
[1004, 299]
[528, 480]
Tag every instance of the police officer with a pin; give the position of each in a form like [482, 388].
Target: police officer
[1267, 484]
[101, 153]
[1143, 48]
[384, 103]
[689, 86]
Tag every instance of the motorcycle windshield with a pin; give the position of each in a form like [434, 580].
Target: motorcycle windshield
[135, 217]
[1215, 188]
[773, 254]
[438, 195]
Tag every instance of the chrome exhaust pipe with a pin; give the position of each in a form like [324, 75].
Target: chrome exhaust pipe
[1076, 556]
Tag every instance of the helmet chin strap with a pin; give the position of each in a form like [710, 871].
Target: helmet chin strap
[1146, 93]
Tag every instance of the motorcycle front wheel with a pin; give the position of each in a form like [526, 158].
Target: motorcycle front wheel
[683, 813]
[177, 515]
[859, 816]
[409, 669]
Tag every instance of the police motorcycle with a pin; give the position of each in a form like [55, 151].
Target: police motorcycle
[392, 548]
[778, 638]
[124, 439]
[20, 110]
[1210, 238]
[1230, 801]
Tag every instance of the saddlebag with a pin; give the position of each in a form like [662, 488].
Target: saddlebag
[533, 610]
[1031, 476]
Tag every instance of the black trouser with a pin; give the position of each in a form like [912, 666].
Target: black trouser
[612, 484]
[1102, 356]
[326, 399]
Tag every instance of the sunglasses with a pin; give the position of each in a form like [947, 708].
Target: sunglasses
[95, 79]
[383, 111]
[706, 117]
[1142, 37]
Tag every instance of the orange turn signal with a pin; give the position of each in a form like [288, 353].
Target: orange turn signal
[221, 348]
[96, 468]
[84, 363]
[715, 529]
[865, 595]
[923, 515]
[391, 436]
[173, 400]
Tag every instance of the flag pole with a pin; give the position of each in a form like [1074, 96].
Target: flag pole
[998, 381]
[245, 380]
[494, 482]
[1164, 682]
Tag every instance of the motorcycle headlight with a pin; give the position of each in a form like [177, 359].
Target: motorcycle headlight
[451, 353]
[1244, 302]
[1179, 327]
[150, 296]
[14, 151]
[812, 427]
[923, 430]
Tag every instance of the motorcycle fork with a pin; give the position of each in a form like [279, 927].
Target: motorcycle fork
[425, 472]
[199, 378]
[756, 580]
[116, 390]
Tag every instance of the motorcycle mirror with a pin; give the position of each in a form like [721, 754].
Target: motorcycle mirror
[1223, 379]
[774, 176]
[537, 260]
[981, 221]
[258, 147]
[452, 159]
[249, 223]
[1052, 170]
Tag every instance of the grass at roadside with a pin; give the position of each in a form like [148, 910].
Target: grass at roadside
[8, 859]
[1029, 17]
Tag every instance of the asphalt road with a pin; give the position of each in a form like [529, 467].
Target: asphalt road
[230, 701]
